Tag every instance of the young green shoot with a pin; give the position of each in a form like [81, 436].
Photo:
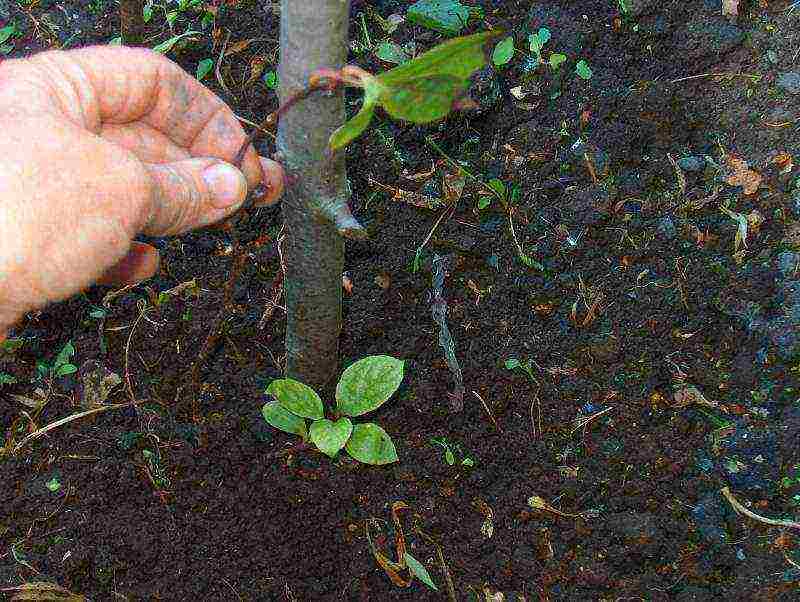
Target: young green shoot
[60, 367]
[537, 42]
[452, 452]
[420, 91]
[363, 387]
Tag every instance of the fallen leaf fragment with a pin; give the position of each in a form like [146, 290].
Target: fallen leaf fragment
[730, 8]
[690, 395]
[742, 175]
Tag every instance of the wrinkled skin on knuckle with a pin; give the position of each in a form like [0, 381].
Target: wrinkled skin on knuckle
[173, 214]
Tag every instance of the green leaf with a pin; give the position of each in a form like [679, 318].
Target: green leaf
[53, 484]
[12, 344]
[543, 35]
[281, 418]
[423, 99]
[484, 202]
[390, 52]
[370, 444]
[353, 128]
[459, 57]
[7, 379]
[445, 16]
[556, 60]
[65, 369]
[63, 356]
[271, 80]
[6, 32]
[497, 186]
[539, 39]
[329, 436]
[368, 383]
[449, 457]
[512, 363]
[419, 570]
[204, 67]
[448, 65]
[165, 47]
[298, 398]
[503, 51]
[583, 70]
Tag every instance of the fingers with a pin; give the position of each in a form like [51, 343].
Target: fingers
[140, 263]
[191, 194]
[142, 100]
[273, 181]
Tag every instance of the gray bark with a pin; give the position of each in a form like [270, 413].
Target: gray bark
[314, 34]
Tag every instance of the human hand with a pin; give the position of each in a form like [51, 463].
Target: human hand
[97, 146]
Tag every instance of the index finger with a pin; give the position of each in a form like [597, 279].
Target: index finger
[119, 85]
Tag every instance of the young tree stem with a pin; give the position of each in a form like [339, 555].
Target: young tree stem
[131, 13]
[314, 35]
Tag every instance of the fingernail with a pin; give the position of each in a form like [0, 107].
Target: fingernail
[226, 184]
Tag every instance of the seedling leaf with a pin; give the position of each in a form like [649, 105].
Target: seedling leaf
[583, 70]
[419, 571]
[282, 419]
[556, 60]
[297, 398]
[370, 444]
[204, 67]
[329, 436]
[498, 186]
[391, 52]
[368, 383]
[503, 52]
[65, 369]
[167, 45]
[63, 356]
[445, 16]
[512, 363]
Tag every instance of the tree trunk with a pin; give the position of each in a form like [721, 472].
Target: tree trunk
[131, 22]
[314, 34]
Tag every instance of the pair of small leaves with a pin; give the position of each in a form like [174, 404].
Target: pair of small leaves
[363, 387]
[419, 91]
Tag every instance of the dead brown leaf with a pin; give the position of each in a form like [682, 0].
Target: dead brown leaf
[742, 175]
[257, 64]
[237, 47]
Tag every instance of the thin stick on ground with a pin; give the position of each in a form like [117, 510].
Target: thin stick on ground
[488, 411]
[739, 508]
[67, 419]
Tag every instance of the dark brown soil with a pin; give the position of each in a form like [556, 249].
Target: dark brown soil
[152, 507]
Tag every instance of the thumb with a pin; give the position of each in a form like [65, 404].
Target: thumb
[192, 193]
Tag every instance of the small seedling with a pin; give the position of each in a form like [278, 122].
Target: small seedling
[271, 80]
[537, 43]
[61, 366]
[363, 387]
[513, 363]
[452, 451]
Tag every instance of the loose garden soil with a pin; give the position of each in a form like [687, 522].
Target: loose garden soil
[663, 358]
